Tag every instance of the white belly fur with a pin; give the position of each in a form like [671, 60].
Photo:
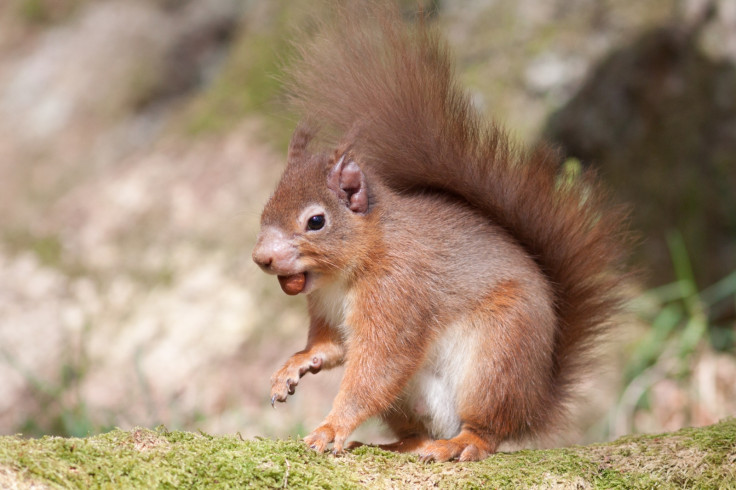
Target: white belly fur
[333, 303]
[433, 392]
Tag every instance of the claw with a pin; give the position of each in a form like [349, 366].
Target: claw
[273, 400]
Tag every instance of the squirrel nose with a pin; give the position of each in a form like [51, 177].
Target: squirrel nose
[262, 258]
[275, 253]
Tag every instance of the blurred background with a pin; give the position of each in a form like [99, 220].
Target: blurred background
[139, 140]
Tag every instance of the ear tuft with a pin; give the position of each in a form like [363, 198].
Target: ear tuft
[303, 134]
[347, 181]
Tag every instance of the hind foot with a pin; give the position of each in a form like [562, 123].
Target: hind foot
[466, 446]
[406, 445]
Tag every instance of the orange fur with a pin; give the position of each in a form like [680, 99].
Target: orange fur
[323, 351]
[461, 281]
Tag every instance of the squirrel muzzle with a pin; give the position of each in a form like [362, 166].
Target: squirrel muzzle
[276, 254]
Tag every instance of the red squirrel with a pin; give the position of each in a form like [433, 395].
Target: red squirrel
[461, 280]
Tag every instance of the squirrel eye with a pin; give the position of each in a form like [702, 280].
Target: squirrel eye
[316, 222]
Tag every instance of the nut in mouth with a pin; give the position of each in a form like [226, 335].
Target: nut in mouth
[294, 283]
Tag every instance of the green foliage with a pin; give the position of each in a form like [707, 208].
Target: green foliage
[682, 323]
[570, 173]
[160, 458]
[680, 317]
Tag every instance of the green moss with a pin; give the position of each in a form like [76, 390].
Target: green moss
[144, 458]
[718, 440]
[160, 459]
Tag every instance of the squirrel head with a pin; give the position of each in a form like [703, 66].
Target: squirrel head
[316, 218]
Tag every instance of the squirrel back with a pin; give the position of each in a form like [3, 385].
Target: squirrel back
[388, 93]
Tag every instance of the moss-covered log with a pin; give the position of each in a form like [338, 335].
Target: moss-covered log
[143, 458]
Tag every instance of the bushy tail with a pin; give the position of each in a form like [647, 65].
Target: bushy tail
[367, 68]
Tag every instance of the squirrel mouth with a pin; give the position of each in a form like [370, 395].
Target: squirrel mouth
[293, 284]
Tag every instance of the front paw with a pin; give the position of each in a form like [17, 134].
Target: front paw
[284, 381]
[320, 438]
[328, 433]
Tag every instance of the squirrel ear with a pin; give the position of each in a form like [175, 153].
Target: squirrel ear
[347, 181]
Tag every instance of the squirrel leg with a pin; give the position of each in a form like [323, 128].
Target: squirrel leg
[469, 445]
[504, 394]
[363, 393]
[367, 388]
[411, 434]
[323, 351]
[411, 444]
